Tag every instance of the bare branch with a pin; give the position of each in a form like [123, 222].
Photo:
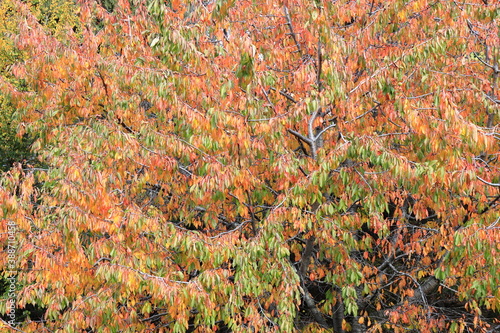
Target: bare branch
[365, 113]
[364, 179]
[320, 61]
[306, 256]
[284, 94]
[102, 259]
[389, 134]
[302, 270]
[10, 327]
[488, 183]
[420, 96]
[311, 305]
[267, 97]
[154, 317]
[312, 134]
[497, 101]
[493, 224]
[288, 96]
[300, 136]
[320, 133]
[230, 231]
[290, 27]
[424, 289]
[494, 68]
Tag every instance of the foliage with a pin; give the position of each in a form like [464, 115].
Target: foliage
[55, 15]
[109, 5]
[12, 148]
[259, 166]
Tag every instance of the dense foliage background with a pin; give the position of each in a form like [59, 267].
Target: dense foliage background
[250, 166]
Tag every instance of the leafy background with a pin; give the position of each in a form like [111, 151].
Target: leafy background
[267, 166]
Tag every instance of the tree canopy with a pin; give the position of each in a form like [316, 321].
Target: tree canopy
[251, 166]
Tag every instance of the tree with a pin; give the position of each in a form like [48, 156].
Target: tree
[12, 148]
[234, 166]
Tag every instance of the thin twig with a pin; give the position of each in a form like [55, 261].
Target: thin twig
[420, 96]
[155, 316]
[389, 134]
[230, 231]
[364, 179]
[267, 97]
[11, 327]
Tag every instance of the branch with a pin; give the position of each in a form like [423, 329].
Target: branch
[367, 112]
[310, 124]
[267, 97]
[370, 13]
[497, 101]
[312, 134]
[491, 226]
[306, 256]
[230, 231]
[154, 317]
[300, 136]
[290, 27]
[302, 270]
[183, 170]
[407, 215]
[289, 97]
[320, 60]
[420, 96]
[263, 312]
[146, 276]
[304, 150]
[311, 306]
[488, 183]
[11, 327]
[324, 130]
[489, 205]
[358, 327]
[101, 259]
[283, 93]
[494, 68]
[424, 289]
[396, 133]
[106, 88]
[252, 215]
